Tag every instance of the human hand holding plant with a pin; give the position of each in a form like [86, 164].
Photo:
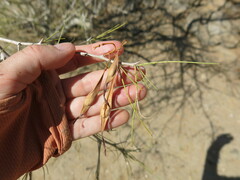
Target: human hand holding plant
[24, 67]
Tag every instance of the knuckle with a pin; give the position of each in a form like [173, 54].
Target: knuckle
[33, 49]
[35, 52]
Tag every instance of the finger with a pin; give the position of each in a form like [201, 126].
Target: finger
[82, 84]
[107, 48]
[25, 66]
[88, 126]
[120, 99]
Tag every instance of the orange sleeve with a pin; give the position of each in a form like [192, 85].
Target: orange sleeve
[33, 128]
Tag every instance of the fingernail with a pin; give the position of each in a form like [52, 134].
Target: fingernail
[103, 49]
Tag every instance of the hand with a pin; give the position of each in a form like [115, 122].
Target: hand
[24, 67]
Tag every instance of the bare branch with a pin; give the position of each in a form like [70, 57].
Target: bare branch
[17, 43]
[3, 54]
[106, 59]
[80, 53]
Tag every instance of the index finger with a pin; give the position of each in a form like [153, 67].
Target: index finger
[108, 48]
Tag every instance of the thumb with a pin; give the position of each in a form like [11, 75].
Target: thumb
[25, 66]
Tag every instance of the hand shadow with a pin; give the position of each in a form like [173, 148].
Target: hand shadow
[211, 162]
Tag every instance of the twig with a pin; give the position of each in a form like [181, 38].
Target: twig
[18, 44]
[3, 54]
[102, 57]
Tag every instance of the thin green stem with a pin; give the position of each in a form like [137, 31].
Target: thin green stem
[188, 62]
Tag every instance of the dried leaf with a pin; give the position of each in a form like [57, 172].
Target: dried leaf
[113, 69]
[108, 94]
[91, 97]
[107, 105]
